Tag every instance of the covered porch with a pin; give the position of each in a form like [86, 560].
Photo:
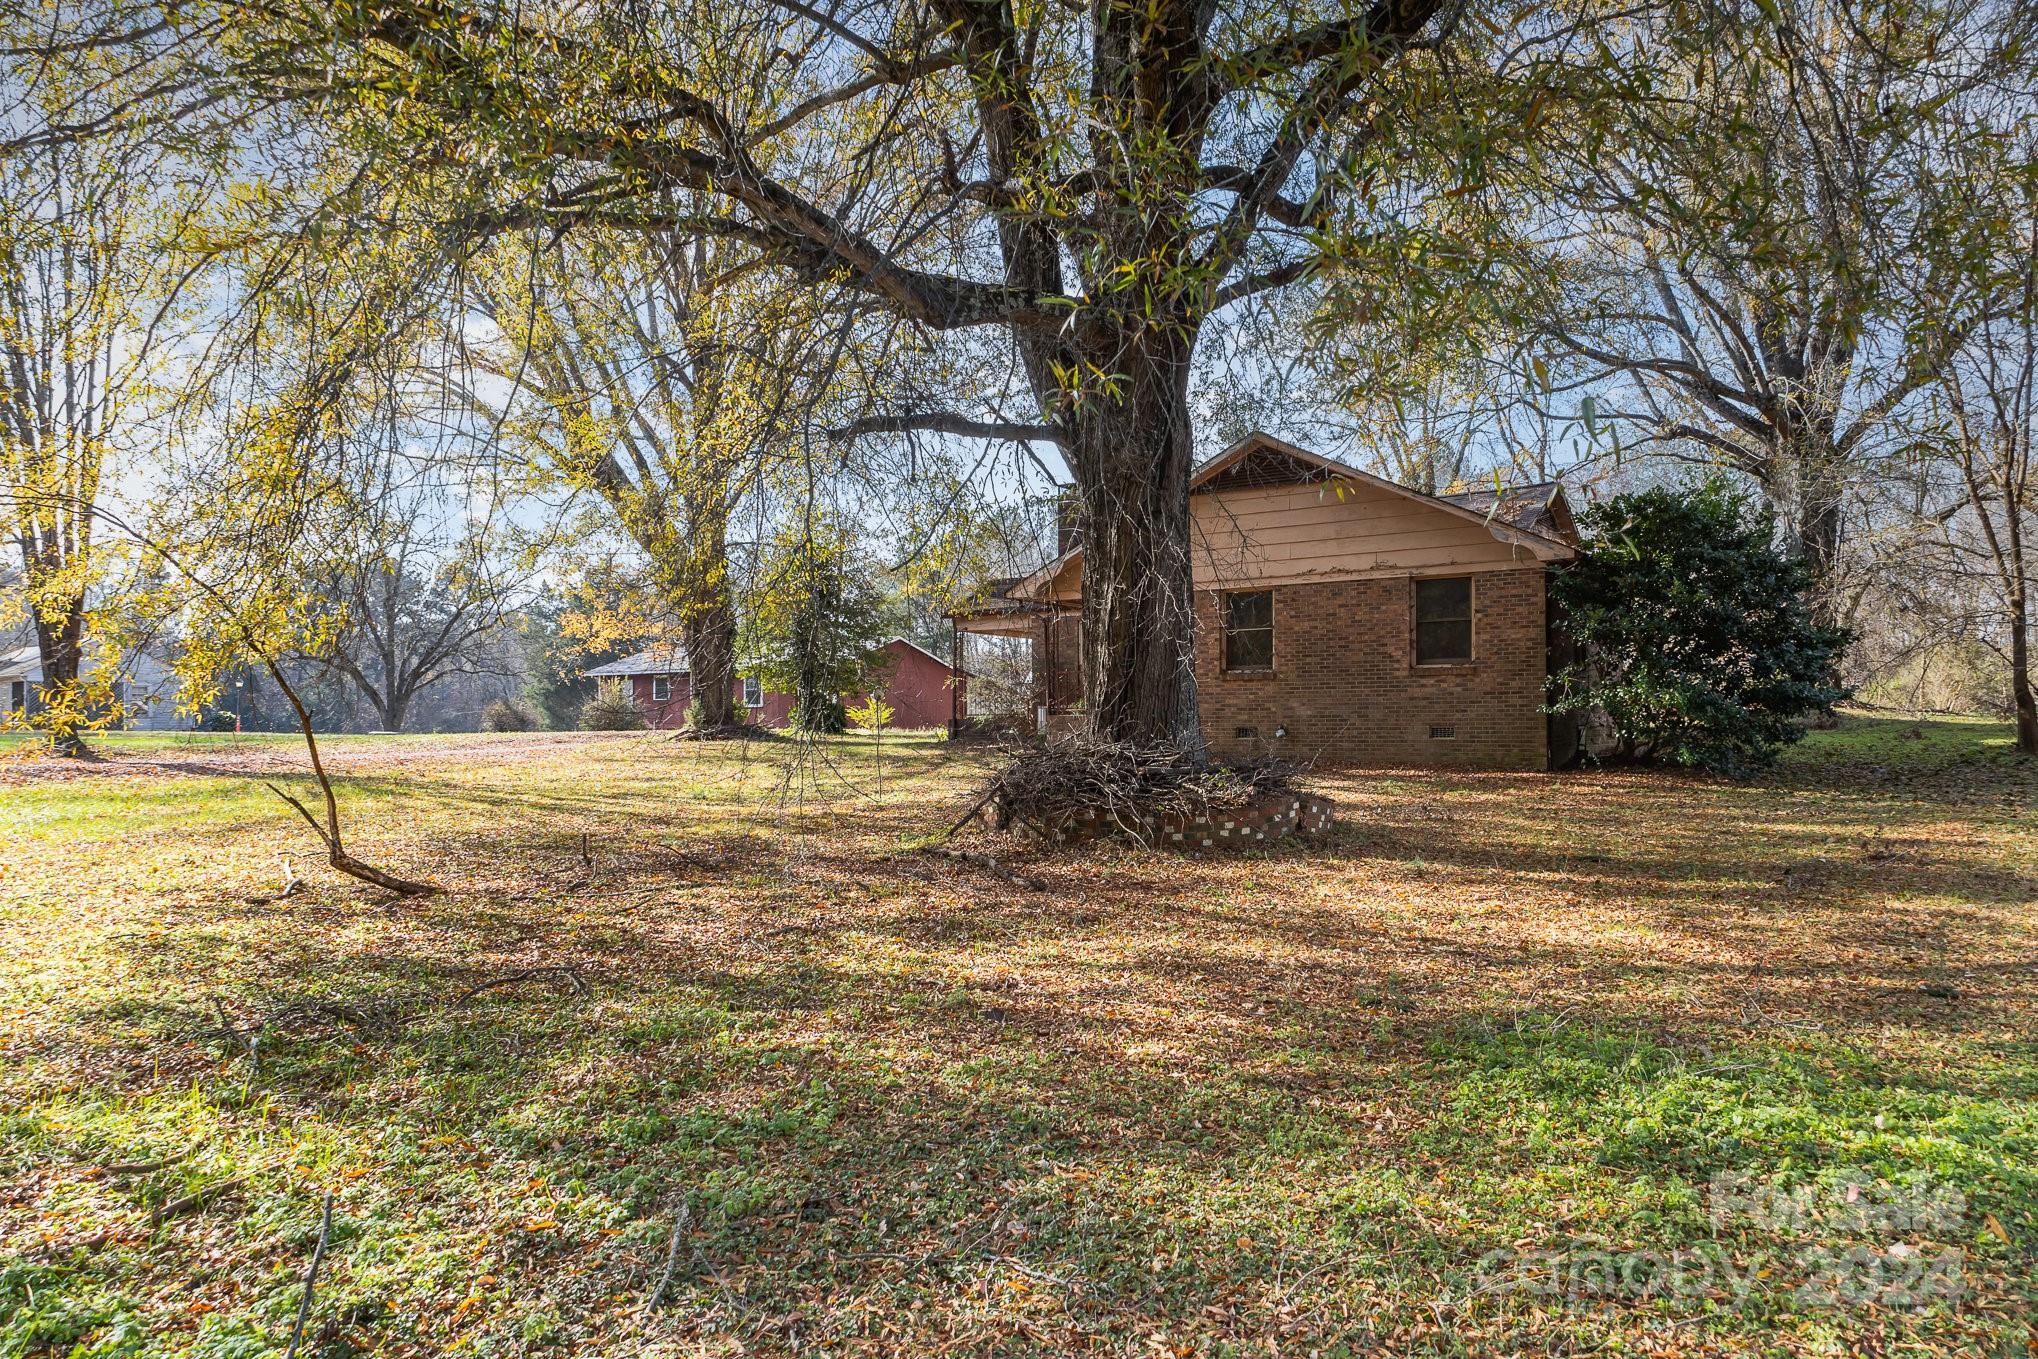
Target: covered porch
[1024, 659]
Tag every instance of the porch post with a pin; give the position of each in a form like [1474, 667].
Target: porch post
[1047, 674]
[955, 684]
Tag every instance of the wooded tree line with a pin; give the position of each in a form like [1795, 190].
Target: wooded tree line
[298, 288]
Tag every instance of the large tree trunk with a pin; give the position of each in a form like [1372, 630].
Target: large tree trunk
[1817, 534]
[1804, 481]
[694, 566]
[1132, 457]
[60, 647]
[709, 635]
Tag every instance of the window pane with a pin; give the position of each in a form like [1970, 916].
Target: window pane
[1249, 649]
[1249, 630]
[1249, 609]
[1444, 640]
[1438, 600]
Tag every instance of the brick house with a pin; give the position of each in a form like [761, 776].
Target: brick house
[1340, 617]
[920, 687]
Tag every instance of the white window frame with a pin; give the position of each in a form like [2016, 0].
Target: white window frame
[661, 688]
[753, 692]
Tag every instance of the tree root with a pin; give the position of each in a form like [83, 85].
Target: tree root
[733, 731]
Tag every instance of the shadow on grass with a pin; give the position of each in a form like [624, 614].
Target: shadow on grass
[1297, 1096]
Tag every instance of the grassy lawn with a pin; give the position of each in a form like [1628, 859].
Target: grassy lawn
[1606, 1061]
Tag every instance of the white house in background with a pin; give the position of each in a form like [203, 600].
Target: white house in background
[146, 687]
[20, 672]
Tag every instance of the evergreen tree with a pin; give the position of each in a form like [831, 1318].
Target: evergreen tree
[814, 627]
[1695, 635]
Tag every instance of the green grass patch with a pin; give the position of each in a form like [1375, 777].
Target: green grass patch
[1462, 1079]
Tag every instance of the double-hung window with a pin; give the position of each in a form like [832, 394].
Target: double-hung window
[661, 688]
[753, 692]
[1443, 620]
[1249, 630]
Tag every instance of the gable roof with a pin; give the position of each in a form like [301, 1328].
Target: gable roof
[1535, 517]
[659, 660]
[1261, 460]
[907, 641]
[21, 663]
[1042, 576]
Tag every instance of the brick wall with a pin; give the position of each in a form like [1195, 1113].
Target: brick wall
[1345, 686]
[915, 684]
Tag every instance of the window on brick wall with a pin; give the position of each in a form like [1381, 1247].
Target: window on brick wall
[1443, 620]
[1249, 630]
[661, 688]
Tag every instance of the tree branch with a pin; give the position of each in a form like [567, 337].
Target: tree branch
[946, 422]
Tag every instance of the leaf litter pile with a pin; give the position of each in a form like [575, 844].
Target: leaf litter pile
[695, 1056]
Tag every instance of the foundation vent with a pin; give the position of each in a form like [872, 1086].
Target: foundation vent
[1443, 733]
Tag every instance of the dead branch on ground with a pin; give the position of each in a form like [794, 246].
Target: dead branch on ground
[567, 978]
[680, 1222]
[318, 1253]
[383, 1017]
[986, 862]
[196, 1199]
[121, 1169]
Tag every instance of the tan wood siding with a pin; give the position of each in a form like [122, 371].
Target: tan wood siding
[1066, 585]
[1300, 533]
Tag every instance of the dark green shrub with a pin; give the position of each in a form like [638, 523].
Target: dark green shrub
[510, 714]
[1695, 634]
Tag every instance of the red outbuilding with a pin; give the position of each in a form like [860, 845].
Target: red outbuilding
[922, 689]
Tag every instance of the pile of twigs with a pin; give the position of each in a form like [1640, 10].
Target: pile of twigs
[734, 731]
[1133, 787]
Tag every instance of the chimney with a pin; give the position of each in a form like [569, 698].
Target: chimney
[1067, 528]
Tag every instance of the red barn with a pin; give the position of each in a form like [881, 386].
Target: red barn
[916, 684]
[922, 689]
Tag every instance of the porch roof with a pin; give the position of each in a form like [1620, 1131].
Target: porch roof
[1004, 616]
